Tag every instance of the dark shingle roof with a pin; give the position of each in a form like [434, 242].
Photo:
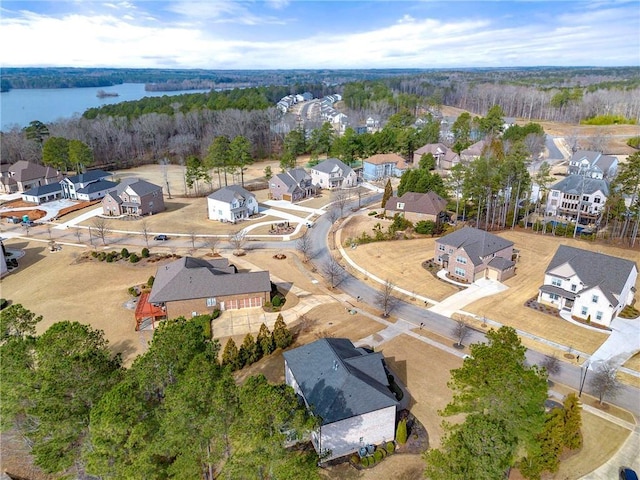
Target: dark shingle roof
[429, 203]
[98, 186]
[189, 278]
[139, 186]
[230, 193]
[477, 243]
[44, 190]
[339, 380]
[90, 176]
[23, 171]
[578, 185]
[333, 164]
[292, 178]
[595, 269]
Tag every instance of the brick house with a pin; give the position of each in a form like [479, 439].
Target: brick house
[590, 285]
[135, 197]
[192, 286]
[348, 388]
[22, 176]
[293, 185]
[418, 206]
[445, 157]
[469, 254]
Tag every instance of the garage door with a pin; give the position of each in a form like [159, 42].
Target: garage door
[493, 274]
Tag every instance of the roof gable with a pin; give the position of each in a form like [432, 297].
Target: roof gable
[230, 193]
[331, 165]
[429, 203]
[477, 243]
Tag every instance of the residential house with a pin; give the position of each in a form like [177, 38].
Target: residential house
[592, 286]
[191, 286]
[293, 185]
[348, 389]
[593, 165]
[445, 157]
[469, 254]
[332, 173]
[133, 196]
[22, 176]
[90, 185]
[231, 204]
[43, 193]
[418, 206]
[577, 193]
[473, 152]
[383, 165]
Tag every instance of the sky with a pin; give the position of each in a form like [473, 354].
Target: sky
[301, 34]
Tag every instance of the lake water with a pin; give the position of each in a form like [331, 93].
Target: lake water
[19, 107]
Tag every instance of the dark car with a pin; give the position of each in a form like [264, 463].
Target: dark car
[627, 474]
[161, 238]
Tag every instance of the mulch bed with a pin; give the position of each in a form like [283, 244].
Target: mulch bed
[417, 435]
[533, 303]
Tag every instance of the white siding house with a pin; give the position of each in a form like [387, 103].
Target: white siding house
[592, 286]
[347, 387]
[332, 173]
[231, 204]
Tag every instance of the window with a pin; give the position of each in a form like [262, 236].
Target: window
[460, 272]
[598, 315]
[555, 194]
[194, 314]
[594, 298]
[596, 200]
[574, 288]
[554, 296]
[441, 247]
[556, 282]
[584, 311]
[585, 198]
[400, 206]
[211, 302]
[461, 259]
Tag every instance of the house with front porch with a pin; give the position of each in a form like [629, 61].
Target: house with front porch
[232, 203]
[293, 185]
[348, 389]
[383, 165]
[133, 196]
[417, 207]
[592, 286]
[79, 187]
[190, 286]
[333, 173]
[469, 254]
[22, 176]
[593, 164]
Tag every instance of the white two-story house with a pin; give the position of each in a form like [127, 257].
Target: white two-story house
[333, 173]
[592, 286]
[593, 164]
[578, 193]
[231, 204]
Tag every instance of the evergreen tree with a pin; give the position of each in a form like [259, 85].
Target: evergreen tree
[265, 341]
[230, 355]
[388, 193]
[248, 352]
[240, 154]
[282, 337]
[401, 431]
[572, 422]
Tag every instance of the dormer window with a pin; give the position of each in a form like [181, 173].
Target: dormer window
[400, 206]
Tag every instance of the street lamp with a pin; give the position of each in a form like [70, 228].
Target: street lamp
[583, 377]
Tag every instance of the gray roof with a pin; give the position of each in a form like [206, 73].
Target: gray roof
[339, 380]
[558, 291]
[23, 171]
[292, 178]
[230, 193]
[579, 185]
[98, 186]
[189, 278]
[331, 165]
[139, 186]
[429, 203]
[501, 263]
[477, 243]
[90, 176]
[595, 269]
[44, 190]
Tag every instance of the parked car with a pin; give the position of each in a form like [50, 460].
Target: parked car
[627, 474]
[161, 238]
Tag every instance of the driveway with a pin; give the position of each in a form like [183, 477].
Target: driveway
[622, 344]
[481, 288]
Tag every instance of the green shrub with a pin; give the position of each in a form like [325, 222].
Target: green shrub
[133, 258]
[608, 120]
[3, 303]
[634, 142]
[124, 253]
[109, 258]
[371, 214]
[355, 459]
[150, 281]
[277, 301]
[215, 314]
[391, 447]
[426, 227]
[401, 432]
[365, 461]
[94, 254]
[145, 252]
[102, 256]
[133, 292]
[205, 322]
[378, 455]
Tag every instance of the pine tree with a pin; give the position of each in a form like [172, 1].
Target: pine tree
[282, 337]
[230, 355]
[265, 341]
[401, 432]
[388, 193]
[572, 422]
[248, 352]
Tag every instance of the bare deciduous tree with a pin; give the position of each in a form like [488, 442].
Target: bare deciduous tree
[604, 381]
[78, 234]
[304, 246]
[238, 241]
[385, 299]
[461, 331]
[333, 271]
[552, 364]
[340, 197]
[193, 237]
[49, 228]
[144, 230]
[101, 228]
[212, 244]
